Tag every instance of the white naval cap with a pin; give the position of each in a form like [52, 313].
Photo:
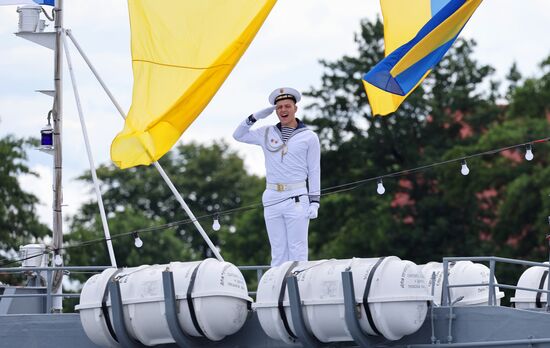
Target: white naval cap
[284, 93]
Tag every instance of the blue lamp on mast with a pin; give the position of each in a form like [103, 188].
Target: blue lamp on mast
[46, 135]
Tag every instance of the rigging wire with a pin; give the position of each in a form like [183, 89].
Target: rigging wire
[11, 261]
[324, 192]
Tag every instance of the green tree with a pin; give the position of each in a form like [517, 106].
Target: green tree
[19, 223]
[211, 179]
[523, 201]
[437, 212]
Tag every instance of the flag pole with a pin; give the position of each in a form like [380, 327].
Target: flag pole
[90, 156]
[159, 168]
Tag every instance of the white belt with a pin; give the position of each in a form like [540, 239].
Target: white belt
[285, 187]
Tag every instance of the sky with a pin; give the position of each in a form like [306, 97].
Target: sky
[285, 52]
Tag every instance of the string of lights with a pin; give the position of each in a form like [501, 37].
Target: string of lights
[380, 189]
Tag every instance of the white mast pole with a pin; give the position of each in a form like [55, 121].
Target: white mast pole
[90, 156]
[156, 164]
[58, 154]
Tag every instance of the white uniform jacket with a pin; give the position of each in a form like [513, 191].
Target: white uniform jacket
[297, 160]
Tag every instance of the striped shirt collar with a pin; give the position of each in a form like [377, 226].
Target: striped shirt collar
[300, 125]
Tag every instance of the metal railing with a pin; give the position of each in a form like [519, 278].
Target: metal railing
[492, 260]
[260, 269]
[49, 295]
[259, 273]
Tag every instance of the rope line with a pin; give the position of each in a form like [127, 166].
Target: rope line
[324, 192]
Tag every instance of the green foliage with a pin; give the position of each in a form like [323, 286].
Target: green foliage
[500, 208]
[210, 178]
[18, 221]
[532, 99]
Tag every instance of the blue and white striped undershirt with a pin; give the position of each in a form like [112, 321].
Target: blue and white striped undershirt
[286, 132]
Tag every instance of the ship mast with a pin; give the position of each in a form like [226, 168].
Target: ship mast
[57, 129]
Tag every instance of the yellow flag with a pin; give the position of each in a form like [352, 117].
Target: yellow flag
[182, 52]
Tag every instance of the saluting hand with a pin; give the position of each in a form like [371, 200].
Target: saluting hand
[263, 113]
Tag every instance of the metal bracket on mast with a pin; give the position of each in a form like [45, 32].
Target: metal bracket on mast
[48, 92]
[45, 39]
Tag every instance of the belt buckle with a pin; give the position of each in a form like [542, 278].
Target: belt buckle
[280, 187]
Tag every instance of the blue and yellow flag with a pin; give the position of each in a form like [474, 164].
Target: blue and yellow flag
[182, 52]
[27, 2]
[417, 34]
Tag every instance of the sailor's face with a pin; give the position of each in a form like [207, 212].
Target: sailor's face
[286, 111]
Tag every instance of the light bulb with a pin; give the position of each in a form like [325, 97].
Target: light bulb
[380, 188]
[216, 225]
[137, 241]
[529, 152]
[57, 260]
[464, 170]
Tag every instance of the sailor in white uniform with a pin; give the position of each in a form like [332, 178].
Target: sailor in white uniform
[293, 174]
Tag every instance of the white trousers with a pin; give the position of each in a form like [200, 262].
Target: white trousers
[287, 223]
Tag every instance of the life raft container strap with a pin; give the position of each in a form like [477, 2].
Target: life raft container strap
[190, 301]
[105, 309]
[541, 287]
[281, 298]
[366, 296]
